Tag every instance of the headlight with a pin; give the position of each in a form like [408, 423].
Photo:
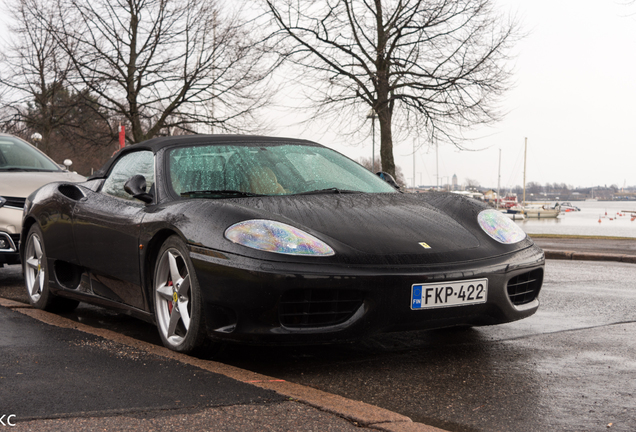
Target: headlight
[276, 237]
[499, 227]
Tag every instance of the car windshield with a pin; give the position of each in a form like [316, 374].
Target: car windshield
[18, 155]
[218, 171]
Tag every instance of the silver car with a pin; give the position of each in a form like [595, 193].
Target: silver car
[23, 169]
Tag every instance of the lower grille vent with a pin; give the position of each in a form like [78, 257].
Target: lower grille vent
[525, 288]
[15, 202]
[306, 308]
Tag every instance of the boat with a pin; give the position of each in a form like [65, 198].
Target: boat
[514, 213]
[508, 205]
[510, 201]
[541, 211]
[567, 207]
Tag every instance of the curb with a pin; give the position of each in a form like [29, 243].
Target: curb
[359, 412]
[588, 256]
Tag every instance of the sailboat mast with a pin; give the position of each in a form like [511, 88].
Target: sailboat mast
[499, 180]
[436, 168]
[525, 154]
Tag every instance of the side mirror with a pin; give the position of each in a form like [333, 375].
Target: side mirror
[388, 178]
[136, 186]
[68, 163]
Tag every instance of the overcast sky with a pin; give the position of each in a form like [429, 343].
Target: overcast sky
[574, 99]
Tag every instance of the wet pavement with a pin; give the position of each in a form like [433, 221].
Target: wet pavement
[569, 367]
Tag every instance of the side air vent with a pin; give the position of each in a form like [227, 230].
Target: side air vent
[524, 288]
[71, 191]
[306, 308]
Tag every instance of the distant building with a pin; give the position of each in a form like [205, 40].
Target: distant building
[454, 181]
[490, 195]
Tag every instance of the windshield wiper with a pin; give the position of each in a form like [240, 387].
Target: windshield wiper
[329, 190]
[220, 192]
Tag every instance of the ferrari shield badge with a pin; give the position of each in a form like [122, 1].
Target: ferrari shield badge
[425, 245]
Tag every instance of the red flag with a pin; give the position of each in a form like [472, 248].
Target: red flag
[122, 136]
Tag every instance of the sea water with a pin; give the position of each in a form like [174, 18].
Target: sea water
[586, 221]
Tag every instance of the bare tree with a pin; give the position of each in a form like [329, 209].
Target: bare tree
[165, 66]
[34, 82]
[34, 72]
[534, 188]
[429, 67]
[471, 184]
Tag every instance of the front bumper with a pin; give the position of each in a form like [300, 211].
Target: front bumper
[9, 244]
[249, 300]
[10, 222]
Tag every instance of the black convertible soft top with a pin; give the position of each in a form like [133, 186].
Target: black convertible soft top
[156, 144]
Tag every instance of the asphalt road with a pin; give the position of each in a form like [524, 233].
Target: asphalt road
[569, 367]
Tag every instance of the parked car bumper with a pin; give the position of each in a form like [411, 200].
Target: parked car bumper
[10, 222]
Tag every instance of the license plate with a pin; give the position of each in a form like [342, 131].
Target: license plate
[447, 294]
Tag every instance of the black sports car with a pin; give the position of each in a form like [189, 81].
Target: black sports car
[260, 239]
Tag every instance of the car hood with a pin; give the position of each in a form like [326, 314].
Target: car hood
[361, 228]
[377, 223]
[21, 184]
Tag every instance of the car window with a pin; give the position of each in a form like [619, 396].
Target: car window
[18, 155]
[270, 169]
[140, 162]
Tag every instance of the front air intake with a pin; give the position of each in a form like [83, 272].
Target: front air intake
[306, 308]
[524, 288]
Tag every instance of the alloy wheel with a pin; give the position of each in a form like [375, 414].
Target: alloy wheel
[172, 291]
[35, 273]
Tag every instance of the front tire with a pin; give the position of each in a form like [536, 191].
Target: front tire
[177, 299]
[36, 276]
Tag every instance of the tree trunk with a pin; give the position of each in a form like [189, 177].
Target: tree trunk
[384, 108]
[386, 141]
[385, 117]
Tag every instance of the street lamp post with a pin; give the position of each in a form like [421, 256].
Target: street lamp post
[372, 115]
[414, 165]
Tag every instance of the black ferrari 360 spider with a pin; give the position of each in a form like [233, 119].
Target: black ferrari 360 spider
[260, 239]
